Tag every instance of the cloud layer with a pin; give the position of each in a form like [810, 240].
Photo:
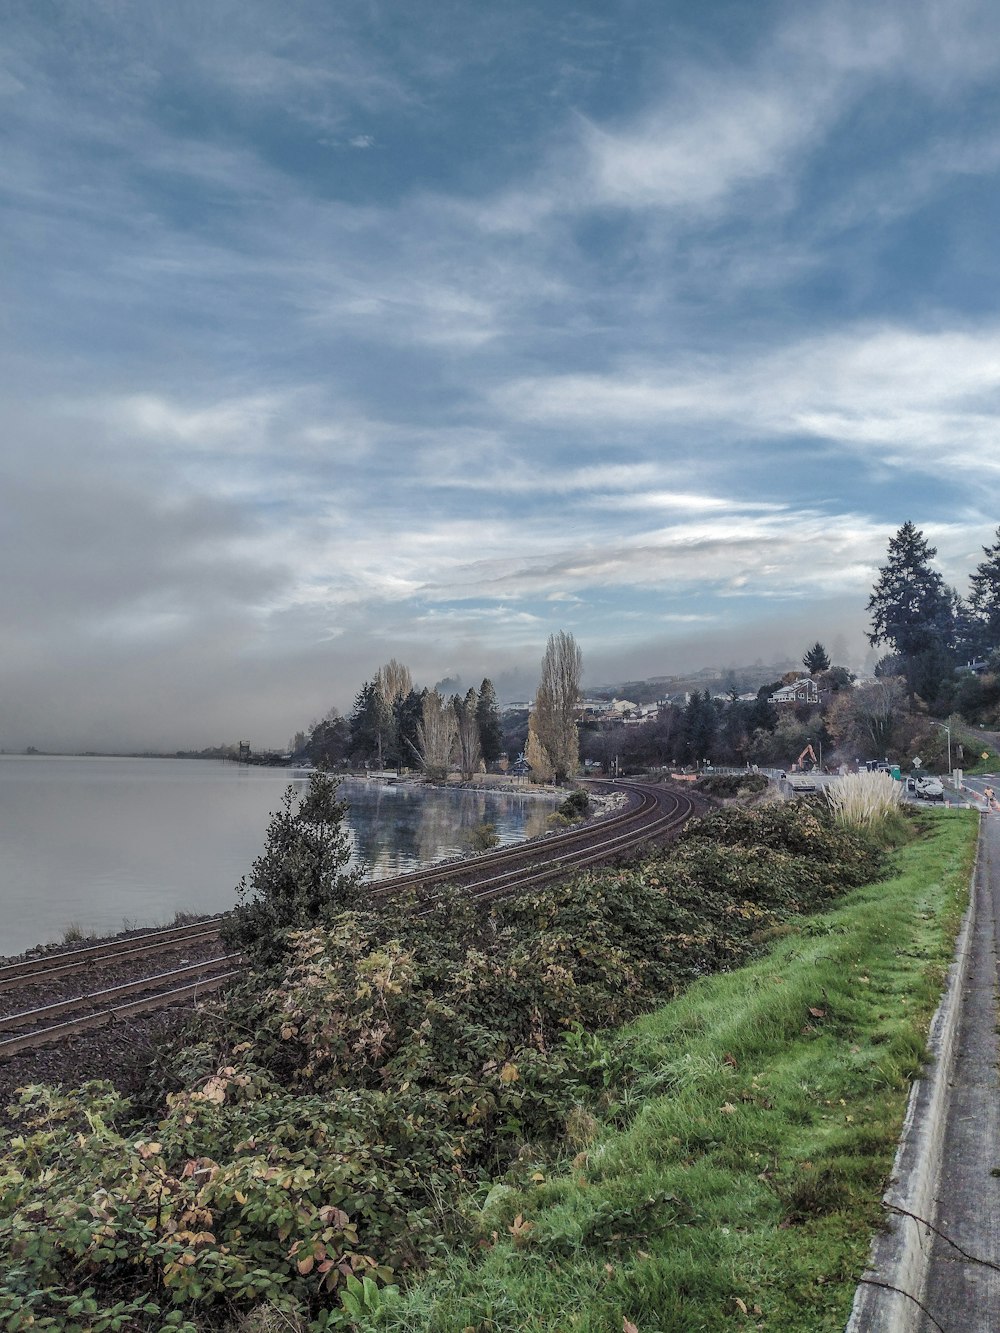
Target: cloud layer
[342, 333]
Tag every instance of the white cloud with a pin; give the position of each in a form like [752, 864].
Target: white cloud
[909, 398]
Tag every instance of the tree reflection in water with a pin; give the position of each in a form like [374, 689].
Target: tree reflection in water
[399, 828]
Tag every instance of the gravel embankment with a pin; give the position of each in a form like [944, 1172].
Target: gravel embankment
[122, 1051]
[113, 971]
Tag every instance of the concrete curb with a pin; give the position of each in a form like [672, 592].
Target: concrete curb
[900, 1255]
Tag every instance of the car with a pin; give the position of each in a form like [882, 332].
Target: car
[925, 787]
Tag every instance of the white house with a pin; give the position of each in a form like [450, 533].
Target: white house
[804, 691]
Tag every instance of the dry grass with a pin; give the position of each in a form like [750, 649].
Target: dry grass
[864, 800]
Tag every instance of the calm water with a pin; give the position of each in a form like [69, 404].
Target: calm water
[102, 842]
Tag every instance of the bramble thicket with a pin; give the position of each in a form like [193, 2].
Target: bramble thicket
[334, 1126]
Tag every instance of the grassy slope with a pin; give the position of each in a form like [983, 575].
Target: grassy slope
[767, 1104]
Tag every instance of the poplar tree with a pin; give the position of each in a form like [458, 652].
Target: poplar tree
[469, 751]
[556, 703]
[436, 735]
[536, 754]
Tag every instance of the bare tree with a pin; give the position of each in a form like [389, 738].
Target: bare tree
[866, 718]
[394, 681]
[392, 684]
[556, 703]
[436, 734]
[536, 754]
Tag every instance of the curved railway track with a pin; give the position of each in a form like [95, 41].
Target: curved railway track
[77, 978]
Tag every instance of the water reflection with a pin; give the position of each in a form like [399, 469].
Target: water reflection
[396, 829]
[100, 842]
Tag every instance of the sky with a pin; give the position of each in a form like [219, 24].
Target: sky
[335, 332]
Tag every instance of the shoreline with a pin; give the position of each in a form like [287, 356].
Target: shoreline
[601, 806]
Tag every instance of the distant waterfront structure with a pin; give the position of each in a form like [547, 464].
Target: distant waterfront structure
[244, 751]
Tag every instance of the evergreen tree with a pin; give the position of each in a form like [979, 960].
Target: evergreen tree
[490, 725]
[816, 659]
[409, 715]
[329, 740]
[984, 600]
[469, 752]
[700, 725]
[910, 606]
[301, 878]
[370, 723]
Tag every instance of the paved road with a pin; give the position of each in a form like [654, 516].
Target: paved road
[963, 1296]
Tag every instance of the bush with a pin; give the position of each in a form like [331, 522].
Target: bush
[300, 879]
[338, 1122]
[484, 837]
[576, 805]
[731, 784]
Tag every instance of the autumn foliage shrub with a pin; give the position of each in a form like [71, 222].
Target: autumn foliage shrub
[337, 1120]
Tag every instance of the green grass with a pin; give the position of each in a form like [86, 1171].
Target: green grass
[756, 1133]
[976, 746]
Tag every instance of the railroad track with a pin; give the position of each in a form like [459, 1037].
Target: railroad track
[653, 813]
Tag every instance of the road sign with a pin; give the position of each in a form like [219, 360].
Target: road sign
[917, 761]
[985, 754]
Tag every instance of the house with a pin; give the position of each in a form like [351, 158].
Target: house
[804, 691]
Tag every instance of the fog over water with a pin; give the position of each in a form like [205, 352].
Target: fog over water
[102, 842]
[335, 332]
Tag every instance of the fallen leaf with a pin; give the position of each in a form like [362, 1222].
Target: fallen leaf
[741, 1306]
[628, 1326]
[817, 1013]
[728, 1109]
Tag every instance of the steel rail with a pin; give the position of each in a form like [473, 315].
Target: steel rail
[162, 1000]
[13, 974]
[523, 867]
[599, 855]
[588, 855]
[48, 967]
[30, 1018]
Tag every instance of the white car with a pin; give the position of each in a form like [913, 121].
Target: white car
[926, 789]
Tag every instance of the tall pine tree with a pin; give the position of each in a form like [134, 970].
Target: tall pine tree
[910, 607]
[984, 600]
[490, 725]
[816, 659]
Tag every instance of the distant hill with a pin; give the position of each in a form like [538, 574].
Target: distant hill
[717, 680]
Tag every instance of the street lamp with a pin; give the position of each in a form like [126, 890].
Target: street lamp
[945, 727]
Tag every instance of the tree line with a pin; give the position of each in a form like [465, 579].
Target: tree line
[932, 633]
[928, 629]
[394, 724]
